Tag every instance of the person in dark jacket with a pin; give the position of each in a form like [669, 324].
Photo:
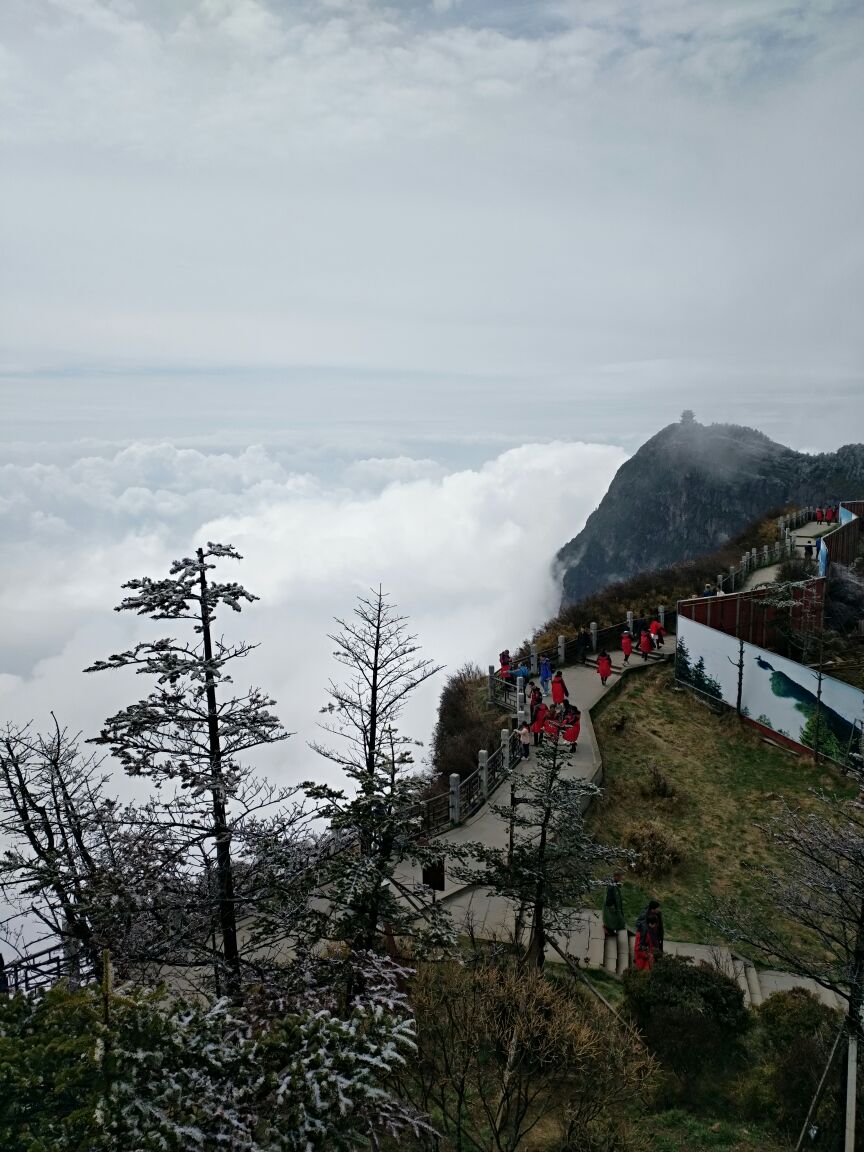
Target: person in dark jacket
[583, 645]
[652, 910]
[808, 550]
[613, 908]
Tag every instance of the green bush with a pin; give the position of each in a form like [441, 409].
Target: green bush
[657, 849]
[692, 1016]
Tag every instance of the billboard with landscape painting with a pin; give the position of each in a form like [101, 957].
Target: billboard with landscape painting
[777, 693]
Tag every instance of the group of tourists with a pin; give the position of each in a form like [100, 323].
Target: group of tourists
[648, 943]
[560, 718]
[830, 514]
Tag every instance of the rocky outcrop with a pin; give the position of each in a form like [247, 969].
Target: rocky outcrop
[691, 488]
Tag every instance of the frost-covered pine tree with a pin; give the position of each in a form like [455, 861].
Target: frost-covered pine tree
[193, 728]
[551, 864]
[384, 667]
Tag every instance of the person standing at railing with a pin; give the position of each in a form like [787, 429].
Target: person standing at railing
[545, 674]
[525, 740]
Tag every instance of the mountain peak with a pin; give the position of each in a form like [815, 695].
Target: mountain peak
[688, 490]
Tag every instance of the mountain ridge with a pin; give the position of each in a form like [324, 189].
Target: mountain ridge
[688, 490]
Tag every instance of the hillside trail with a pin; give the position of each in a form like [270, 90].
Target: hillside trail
[803, 535]
[484, 916]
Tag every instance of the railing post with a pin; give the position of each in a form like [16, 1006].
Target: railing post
[483, 765]
[766, 556]
[562, 647]
[745, 563]
[534, 665]
[661, 615]
[629, 619]
[593, 635]
[454, 797]
[720, 579]
[505, 749]
[491, 683]
[520, 700]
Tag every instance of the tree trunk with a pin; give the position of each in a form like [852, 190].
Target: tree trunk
[221, 831]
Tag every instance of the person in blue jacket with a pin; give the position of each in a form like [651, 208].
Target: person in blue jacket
[545, 674]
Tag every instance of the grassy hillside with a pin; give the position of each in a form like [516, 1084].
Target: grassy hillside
[724, 777]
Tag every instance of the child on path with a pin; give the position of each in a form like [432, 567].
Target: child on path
[525, 740]
[645, 645]
[559, 688]
[545, 674]
[626, 645]
[604, 667]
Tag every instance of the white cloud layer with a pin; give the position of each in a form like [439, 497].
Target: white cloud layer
[466, 554]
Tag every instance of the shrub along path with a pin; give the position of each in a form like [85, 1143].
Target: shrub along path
[486, 917]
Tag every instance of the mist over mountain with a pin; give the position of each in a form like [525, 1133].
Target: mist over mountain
[688, 490]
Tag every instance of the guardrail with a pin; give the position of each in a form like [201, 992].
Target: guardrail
[40, 970]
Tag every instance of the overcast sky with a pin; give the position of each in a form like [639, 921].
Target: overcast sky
[389, 292]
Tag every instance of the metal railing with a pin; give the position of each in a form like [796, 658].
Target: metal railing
[38, 971]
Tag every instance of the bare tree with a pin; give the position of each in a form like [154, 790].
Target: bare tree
[188, 729]
[384, 668]
[550, 864]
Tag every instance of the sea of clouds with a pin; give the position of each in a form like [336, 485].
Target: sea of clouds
[467, 552]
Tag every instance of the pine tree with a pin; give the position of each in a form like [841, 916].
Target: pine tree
[385, 667]
[192, 729]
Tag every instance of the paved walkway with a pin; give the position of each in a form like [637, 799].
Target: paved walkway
[803, 535]
[476, 912]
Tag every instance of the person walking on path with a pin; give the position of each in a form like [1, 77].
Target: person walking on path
[540, 714]
[559, 688]
[626, 645]
[657, 632]
[645, 645]
[818, 515]
[604, 667]
[525, 740]
[545, 674]
[829, 515]
[572, 725]
[613, 908]
[808, 550]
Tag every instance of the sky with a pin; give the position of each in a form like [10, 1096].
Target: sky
[388, 293]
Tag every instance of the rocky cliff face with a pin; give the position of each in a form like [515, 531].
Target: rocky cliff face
[691, 488]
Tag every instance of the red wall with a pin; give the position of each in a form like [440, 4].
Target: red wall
[741, 614]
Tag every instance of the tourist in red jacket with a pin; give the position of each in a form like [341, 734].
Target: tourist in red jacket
[818, 515]
[627, 646]
[657, 633]
[645, 645]
[559, 689]
[604, 667]
[540, 714]
[572, 725]
[829, 515]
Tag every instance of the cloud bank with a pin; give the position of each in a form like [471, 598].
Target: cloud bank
[466, 554]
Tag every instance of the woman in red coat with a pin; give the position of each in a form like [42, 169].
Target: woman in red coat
[829, 515]
[552, 727]
[657, 633]
[627, 646]
[572, 726]
[540, 714]
[559, 689]
[604, 667]
[818, 515]
[645, 645]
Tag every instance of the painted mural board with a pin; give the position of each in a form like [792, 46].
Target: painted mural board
[778, 693]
